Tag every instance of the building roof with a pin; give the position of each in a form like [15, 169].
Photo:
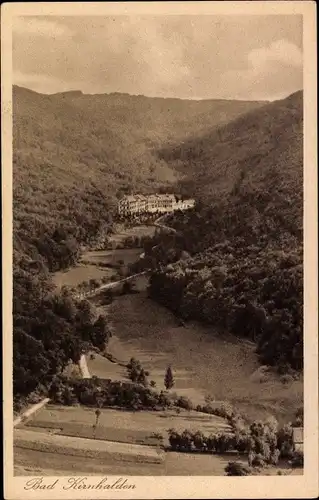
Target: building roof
[130, 198]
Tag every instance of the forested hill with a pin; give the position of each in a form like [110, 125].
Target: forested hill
[259, 148]
[245, 270]
[254, 163]
[73, 155]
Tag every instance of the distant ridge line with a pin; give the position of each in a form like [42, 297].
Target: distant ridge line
[138, 96]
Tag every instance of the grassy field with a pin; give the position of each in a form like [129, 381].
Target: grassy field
[58, 440]
[34, 462]
[121, 425]
[204, 363]
[90, 448]
[111, 257]
[92, 265]
[139, 231]
[80, 273]
[103, 368]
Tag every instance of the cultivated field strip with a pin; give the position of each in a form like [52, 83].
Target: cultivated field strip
[66, 445]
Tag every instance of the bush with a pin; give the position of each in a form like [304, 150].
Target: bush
[237, 469]
[184, 403]
[136, 373]
[106, 393]
[297, 459]
[285, 441]
[197, 441]
[258, 460]
[299, 418]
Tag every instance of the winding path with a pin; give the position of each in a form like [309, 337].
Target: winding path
[84, 367]
[110, 285]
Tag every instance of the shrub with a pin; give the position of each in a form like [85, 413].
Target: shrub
[164, 400]
[297, 459]
[299, 418]
[136, 373]
[184, 403]
[127, 288]
[285, 441]
[258, 460]
[237, 469]
[174, 439]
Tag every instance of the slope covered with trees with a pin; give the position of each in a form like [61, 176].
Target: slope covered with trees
[245, 270]
[73, 156]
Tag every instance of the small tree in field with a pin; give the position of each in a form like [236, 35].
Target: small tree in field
[169, 379]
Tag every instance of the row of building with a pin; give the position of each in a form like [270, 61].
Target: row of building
[153, 203]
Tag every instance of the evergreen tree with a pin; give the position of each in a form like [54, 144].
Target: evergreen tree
[169, 379]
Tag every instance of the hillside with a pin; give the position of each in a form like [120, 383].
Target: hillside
[245, 270]
[74, 154]
[259, 149]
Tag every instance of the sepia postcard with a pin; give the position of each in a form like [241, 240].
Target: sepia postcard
[160, 301]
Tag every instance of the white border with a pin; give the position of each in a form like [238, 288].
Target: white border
[305, 486]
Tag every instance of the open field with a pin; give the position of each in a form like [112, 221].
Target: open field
[34, 462]
[204, 363]
[103, 368]
[92, 265]
[140, 231]
[122, 425]
[82, 272]
[58, 440]
[111, 257]
[89, 448]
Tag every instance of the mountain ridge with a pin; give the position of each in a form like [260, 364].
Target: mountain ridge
[127, 94]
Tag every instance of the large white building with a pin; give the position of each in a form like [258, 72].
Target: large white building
[153, 203]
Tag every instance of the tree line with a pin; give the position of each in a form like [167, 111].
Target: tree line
[238, 270]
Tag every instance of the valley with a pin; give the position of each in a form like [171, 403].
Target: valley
[205, 365]
[219, 301]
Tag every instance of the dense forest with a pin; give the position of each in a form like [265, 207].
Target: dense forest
[74, 155]
[243, 270]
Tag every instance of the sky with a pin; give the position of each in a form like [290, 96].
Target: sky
[189, 57]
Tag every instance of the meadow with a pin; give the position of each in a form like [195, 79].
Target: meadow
[145, 427]
[204, 362]
[81, 272]
[62, 439]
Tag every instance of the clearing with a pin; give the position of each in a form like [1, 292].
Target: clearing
[203, 361]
